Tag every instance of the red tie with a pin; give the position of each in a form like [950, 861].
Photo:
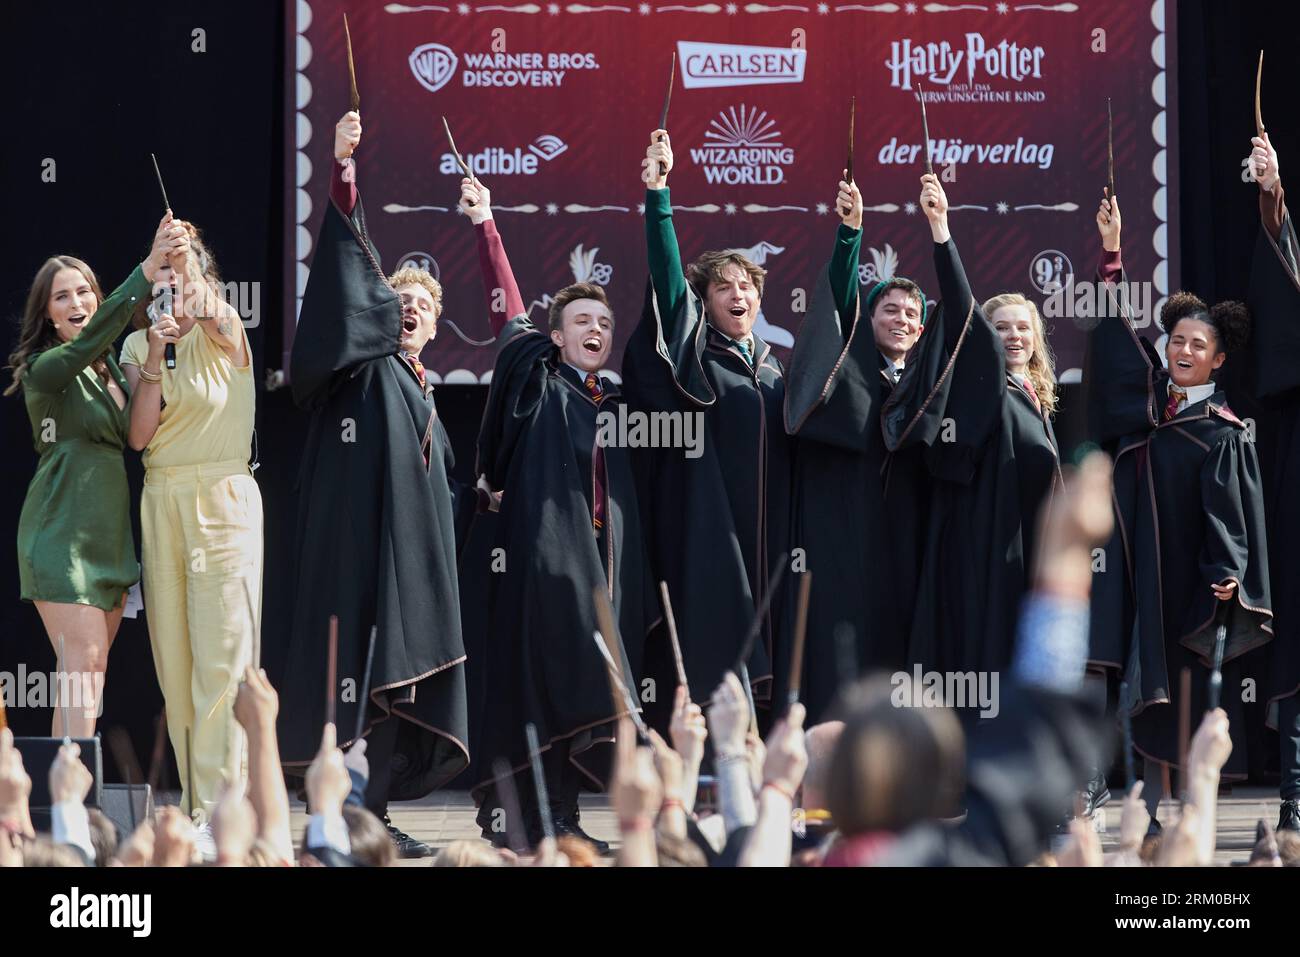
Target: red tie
[1176, 395]
[592, 382]
[1033, 393]
[416, 365]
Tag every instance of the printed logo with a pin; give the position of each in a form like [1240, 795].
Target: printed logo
[523, 69]
[967, 75]
[882, 268]
[1049, 271]
[706, 65]
[504, 161]
[586, 269]
[433, 65]
[743, 146]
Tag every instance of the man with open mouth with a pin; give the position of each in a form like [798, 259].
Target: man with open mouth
[377, 517]
[567, 525]
[720, 520]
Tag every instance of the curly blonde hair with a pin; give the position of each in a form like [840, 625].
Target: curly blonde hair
[410, 276]
[1041, 370]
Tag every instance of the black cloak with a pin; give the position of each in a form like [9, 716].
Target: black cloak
[856, 507]
[1189, 511]
[717, 523]
[540, 662]
[376, 536]
[993, 464]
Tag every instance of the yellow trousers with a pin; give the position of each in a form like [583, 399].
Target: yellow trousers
[201, 527]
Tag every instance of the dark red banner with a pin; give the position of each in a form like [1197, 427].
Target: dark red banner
[553, 104]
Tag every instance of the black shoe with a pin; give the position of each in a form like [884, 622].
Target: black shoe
[1288, 818]
[407, 846]
[569, 825]
[1095, 795]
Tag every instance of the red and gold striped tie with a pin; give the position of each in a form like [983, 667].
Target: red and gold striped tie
[592, 382]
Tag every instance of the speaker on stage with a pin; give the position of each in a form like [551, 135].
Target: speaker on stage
[38, 755]
[118, 799]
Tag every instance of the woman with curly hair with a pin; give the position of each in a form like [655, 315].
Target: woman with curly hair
[1189, 550]
[76, 558]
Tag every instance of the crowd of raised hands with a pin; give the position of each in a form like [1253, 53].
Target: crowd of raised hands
[768, 802]
[754, 804]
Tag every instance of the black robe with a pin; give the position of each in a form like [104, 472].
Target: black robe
[856, 508]
[540, 663]
[1189, 511]
[376, 532]
[717, 524]
[993, 464]
[1274, 301]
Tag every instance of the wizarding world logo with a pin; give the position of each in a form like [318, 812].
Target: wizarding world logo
[743, 146]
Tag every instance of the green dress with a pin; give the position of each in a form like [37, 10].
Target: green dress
[74, 535]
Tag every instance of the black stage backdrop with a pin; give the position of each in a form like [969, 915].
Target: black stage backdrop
[103, 84]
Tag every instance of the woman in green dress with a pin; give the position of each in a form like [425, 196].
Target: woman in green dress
[76, 558]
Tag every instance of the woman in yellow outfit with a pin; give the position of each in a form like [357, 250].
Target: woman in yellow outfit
[200, 515]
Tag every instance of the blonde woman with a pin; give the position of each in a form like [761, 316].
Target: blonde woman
[200, 514]
[985, 378]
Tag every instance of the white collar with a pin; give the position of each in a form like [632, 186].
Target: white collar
[1195, 393]
[583, 375]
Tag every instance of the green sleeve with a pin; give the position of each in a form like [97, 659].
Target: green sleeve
[844, 269]
[54, 368]
[665, 258]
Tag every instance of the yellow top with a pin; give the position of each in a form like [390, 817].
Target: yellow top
[208, 406]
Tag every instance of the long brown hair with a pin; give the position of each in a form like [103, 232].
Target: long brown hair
[35, 331]
[1041, 370]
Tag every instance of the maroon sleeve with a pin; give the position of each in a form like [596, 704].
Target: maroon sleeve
[497, 275]
[1109, 267]
[1272, 209]
[343, 193]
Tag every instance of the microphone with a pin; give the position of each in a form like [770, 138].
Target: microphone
[165, 306]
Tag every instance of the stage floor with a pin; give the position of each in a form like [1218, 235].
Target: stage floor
[449, 815]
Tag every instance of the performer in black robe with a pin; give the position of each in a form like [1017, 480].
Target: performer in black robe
[1190, 533]
[993, 464]
[376, 541]
[568, 525]
[857, 512]
[1275, 310]
[718, 512]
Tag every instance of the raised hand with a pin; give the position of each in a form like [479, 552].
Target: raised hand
[787, 756]
[173, 839]
[658, 160]
[475, 200]
[1108, 222]
[1263, 162]
[347, 135]
[328, 783]
[688, 729]
[256, 702]
[166, 240]
[848, 203]
[70, 780]
[15, 784]
[729, 717]
[934, 202]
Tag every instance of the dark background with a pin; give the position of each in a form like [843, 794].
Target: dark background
[102, 84]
